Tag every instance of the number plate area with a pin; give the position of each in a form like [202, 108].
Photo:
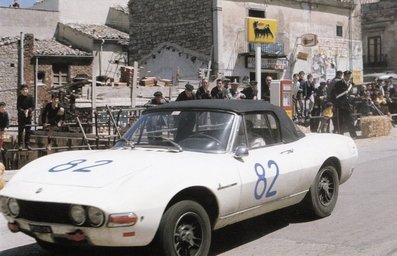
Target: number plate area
[40, 229]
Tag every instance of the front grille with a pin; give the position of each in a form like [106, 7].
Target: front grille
[44, 212]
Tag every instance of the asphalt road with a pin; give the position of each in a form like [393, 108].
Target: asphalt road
[362, 224]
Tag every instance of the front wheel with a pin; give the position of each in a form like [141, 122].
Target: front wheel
[324, 191]
[185, 230]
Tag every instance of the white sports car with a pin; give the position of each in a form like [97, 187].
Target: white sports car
[182, 170]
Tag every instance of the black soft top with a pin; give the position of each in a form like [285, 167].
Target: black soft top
[288, 129]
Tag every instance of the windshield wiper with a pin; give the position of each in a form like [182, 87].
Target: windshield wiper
[129, 143]
[176, 145]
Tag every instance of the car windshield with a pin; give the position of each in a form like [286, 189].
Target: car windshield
[193, 130]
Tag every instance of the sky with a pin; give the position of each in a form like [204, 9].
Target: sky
[23, 3]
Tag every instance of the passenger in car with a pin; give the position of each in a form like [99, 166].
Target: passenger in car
[254, 139]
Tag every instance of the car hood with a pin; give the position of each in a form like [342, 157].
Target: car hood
[93, 168]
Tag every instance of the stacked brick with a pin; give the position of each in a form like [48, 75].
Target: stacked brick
[127, 75]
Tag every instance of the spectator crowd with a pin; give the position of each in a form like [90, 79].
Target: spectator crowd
[337, 101]
[334, 104]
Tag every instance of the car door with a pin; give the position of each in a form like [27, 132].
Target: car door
[271, 171]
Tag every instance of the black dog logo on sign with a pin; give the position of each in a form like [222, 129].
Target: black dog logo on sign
[264, 32]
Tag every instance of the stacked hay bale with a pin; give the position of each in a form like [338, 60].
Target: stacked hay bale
[374, 126]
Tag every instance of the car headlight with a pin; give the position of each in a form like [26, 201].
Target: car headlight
[3, 205]
[13, 207]
[78, 214]
[96, 217]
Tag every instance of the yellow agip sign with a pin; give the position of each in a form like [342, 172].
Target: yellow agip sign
[261, 30]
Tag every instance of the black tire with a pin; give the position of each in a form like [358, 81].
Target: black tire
[324, 192]
[185, 230]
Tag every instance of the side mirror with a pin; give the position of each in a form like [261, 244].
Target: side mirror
[241, 151]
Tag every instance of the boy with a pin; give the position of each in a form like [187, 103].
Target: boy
[4, 123]
[25, 107]
[327, 115]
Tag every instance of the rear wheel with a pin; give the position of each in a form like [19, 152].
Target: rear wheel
[185, 230]
[324, 191]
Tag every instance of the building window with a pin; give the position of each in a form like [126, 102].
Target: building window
[339, 31]
[40, 77]
[374, 49]
[60, 75]
[256, 13]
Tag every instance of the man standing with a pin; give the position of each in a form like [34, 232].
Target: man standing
[187, 94]
[297, 96]
[157, 99]
[308, 95]
[265, 92]
[337, 78]
[4, 123]
[330, 87]
[302, 92]
[25, 107]
[251, 92]
[203, 92]
[233, 92]
[52, 117]
[219, 92]
[343, 110]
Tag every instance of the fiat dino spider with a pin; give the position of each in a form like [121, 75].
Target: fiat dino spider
[181, 171]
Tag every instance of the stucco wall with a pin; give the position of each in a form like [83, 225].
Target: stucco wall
[94, 12]
[293, 21]
[13, 21]
[165, 63]
[79, 40]
[118, 19]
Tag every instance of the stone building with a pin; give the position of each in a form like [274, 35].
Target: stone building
[76, 51]
[216, 30]
[379, 33]
[108, 46]
[52, 63]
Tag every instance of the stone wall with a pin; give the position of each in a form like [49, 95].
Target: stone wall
[9, 73]
[187, 23]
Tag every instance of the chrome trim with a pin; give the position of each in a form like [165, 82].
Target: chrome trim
[220, 187]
